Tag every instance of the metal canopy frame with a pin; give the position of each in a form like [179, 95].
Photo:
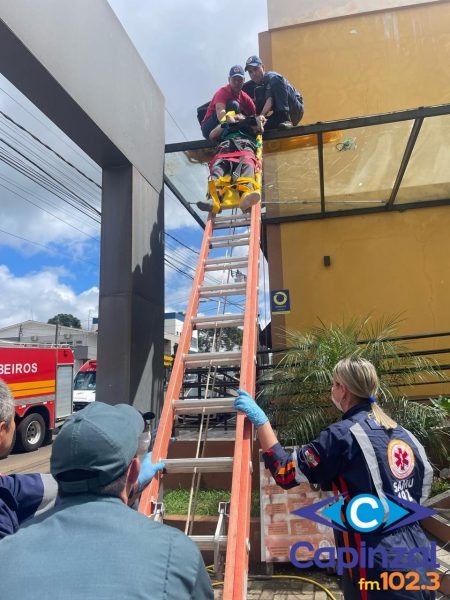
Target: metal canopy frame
[418, 115]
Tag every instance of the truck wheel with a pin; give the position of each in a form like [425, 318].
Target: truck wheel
[31, 432]
[48, 437]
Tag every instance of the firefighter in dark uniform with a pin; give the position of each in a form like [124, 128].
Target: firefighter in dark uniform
[21, 496]
[364, 453]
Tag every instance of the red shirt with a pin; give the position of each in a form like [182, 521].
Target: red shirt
[224, 94]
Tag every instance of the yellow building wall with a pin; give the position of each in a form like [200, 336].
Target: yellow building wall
[365, 64]
[385, 263]
[398, 263]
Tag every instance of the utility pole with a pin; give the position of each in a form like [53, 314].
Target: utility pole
[56, 331]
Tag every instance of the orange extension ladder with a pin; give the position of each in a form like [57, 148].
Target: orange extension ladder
[229, 544]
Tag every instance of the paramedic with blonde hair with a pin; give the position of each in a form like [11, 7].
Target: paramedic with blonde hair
[364, 453]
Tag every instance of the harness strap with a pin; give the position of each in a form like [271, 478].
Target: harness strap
[213, 193]
[238, 157]
[240, 183]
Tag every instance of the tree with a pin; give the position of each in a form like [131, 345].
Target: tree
[65, 319]
[301, 382]
[227, 339]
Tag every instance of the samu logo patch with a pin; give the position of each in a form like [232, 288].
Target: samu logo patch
[401, 459]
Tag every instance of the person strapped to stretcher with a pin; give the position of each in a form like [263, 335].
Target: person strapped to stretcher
[232, 181]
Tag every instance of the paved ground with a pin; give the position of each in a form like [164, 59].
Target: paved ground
[27, 462]
[292, 589]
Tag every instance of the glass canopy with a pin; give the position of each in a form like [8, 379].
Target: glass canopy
[378, 163]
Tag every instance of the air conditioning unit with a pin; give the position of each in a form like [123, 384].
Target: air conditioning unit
[34, 338]
[67, 336]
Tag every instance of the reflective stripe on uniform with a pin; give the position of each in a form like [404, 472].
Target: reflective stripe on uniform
[368, 453]
[49, 496]
[428, 469]
[298, 474]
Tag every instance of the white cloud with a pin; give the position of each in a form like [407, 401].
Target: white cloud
[40, 296]
[189, 47]
[24, 223]
[175, 215]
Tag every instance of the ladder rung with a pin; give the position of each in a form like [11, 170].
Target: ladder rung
[207, 406]
[226, 289]
[222, 464]
[222, 241]
[236, 320]
[231, 221]
[223, 263]
[213, 359]
[225, 260]
[208, 542]
[237, 217]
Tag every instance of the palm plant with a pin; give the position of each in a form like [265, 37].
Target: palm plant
[296, 392]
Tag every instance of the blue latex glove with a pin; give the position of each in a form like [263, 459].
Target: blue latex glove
[148, 470]
[245, 403]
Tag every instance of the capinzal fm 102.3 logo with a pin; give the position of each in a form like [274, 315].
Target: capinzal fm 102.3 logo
[365, 513]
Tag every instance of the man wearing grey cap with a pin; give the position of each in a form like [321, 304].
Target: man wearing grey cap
[275, 98]
[93, 546]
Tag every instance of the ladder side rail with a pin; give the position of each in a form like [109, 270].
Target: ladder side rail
[236, 568]
[149, 497]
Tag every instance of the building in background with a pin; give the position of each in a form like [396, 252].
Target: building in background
[173, 325]
[35, 333]
[354, 59]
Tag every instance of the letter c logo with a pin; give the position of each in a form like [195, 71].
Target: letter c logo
[365, 513]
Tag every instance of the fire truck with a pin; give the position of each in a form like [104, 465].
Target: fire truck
[41, 379]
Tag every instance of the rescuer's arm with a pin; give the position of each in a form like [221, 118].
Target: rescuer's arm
[267, 108]
[319, 461]
[229, 118]
[147, 472]
[23, 497]
[220, 111]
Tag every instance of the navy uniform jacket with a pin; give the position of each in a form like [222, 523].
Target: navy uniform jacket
[356, 456]
[22, 497]
[97, 548]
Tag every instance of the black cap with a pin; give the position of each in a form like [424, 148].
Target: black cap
[237, 71]
[253, 61]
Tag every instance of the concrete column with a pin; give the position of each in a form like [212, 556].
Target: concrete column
[131, 312]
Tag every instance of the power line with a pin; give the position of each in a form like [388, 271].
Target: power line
[70, 198]
[62, 139]
[179, 128]
[59, 208]
[20, 138]
[46, 211]
[49, 148]
[166, 233]
[46, 247]
[48, 174]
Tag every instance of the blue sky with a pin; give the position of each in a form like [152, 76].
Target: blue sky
[49, 248]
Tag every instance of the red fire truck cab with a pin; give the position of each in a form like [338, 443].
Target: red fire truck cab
[41, 380]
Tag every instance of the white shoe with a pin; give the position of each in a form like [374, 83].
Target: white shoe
[249, 199]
